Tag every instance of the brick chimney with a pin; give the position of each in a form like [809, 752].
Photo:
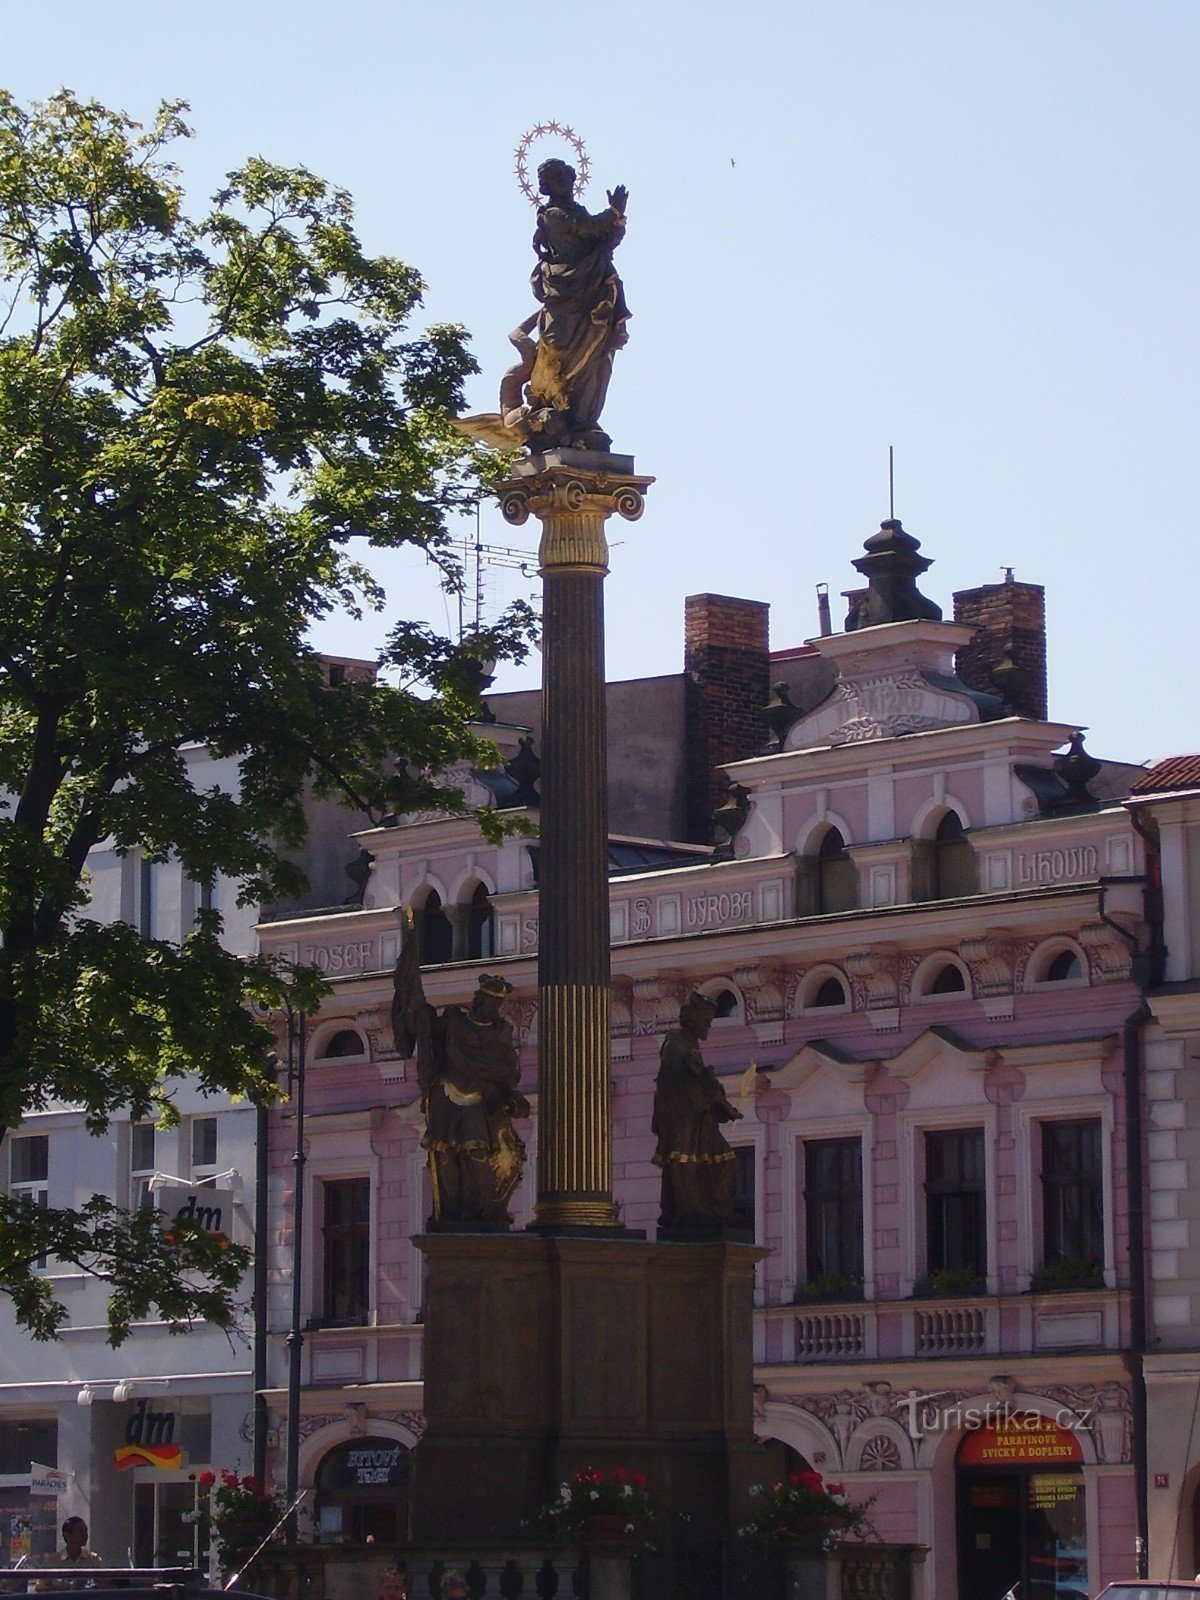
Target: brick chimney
[1008, 656]
[727, 667]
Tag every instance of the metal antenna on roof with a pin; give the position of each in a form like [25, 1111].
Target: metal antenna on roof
[891, 484]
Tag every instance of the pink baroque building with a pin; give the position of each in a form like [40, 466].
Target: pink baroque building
[929, 936]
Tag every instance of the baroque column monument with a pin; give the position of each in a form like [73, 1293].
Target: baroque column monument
[578, 1343]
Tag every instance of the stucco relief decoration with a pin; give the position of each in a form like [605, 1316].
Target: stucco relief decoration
[1022, 955]
[414, 1421]
[1103, 1410]
[648, 994]
[377, 1026]
[315, 1421]
[883, 708]
[526, 1016]
[762, 989]
[990, 961]
[906, 969]
[880, 1454]
[459, 777]
[1109, 956]
[873, 980]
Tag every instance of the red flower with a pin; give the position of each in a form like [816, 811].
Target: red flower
[206, 1479]
[229, 1479]
[619, 1475]
[835, 1488]
[253, 1485]
[638, 1479]
[794, 1479]
[812, 1482]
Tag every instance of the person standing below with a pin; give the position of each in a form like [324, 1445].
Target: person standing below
[75, 1551]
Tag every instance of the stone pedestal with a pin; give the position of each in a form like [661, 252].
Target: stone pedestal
[547, 1354]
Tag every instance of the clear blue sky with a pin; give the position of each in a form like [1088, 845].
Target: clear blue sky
[966, 228]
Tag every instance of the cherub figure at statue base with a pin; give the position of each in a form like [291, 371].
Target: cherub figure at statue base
[468, 1071]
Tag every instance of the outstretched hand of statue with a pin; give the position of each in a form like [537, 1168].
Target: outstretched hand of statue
[617, 199]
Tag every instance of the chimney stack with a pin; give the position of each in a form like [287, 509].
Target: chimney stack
[1008, 656]
[727, 667]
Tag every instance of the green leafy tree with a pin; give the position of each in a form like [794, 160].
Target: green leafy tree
[198, 415]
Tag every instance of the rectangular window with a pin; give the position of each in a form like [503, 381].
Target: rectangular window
[1072, 1194]
[29, 1160]
[955, 1203]
[204, 1149]
[145, 903]
[833, 1213]
[29, 1171]
[142, 1165]
[347, 1251]
[743, 1190]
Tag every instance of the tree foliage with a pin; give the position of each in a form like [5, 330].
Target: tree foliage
[198, 415]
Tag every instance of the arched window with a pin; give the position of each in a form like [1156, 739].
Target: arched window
[344, 1043]
[727, 1004]
[362, 1489]
[436, 936]
[831, 993]
[949, 980]
[954, 871]
[481, 938]
[1065, 967]
[837, 876]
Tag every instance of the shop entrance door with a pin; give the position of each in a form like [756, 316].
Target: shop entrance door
[989, 1534]
[1022, 1520]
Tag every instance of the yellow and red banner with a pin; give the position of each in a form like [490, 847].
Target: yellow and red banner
[147, 1455]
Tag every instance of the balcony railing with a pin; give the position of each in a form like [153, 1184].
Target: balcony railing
[938, 1327]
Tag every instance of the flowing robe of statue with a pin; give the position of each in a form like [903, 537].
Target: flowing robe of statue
[690, 1106]
[554, 394]
[468, 1070]
[581, 325]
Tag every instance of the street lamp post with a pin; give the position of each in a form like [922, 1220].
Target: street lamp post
[297, 1040]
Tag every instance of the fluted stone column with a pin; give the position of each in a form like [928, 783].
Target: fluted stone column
[572, 493]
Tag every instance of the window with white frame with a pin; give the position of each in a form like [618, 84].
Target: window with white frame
[346, 1251]
[833, 1215]
[143, 1138]
[204, 1149]
[29, 1171]
[955, 1205]
[1072, 1199]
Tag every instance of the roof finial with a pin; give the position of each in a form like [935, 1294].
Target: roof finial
[891, 484]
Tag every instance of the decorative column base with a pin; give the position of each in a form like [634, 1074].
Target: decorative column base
[547, 1355]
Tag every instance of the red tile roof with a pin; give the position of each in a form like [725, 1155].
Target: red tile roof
[1176, 772]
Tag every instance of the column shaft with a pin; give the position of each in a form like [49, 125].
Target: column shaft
[574, 1082]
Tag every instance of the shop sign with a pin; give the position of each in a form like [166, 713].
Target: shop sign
[149, 1441]
[1021, 1439]
[209, 1209]
[1050, 1489]
[46, 1480]
[369, 1463]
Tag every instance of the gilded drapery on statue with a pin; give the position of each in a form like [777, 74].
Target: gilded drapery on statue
[554, 395]
[468, 1071]
[690, 1106]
